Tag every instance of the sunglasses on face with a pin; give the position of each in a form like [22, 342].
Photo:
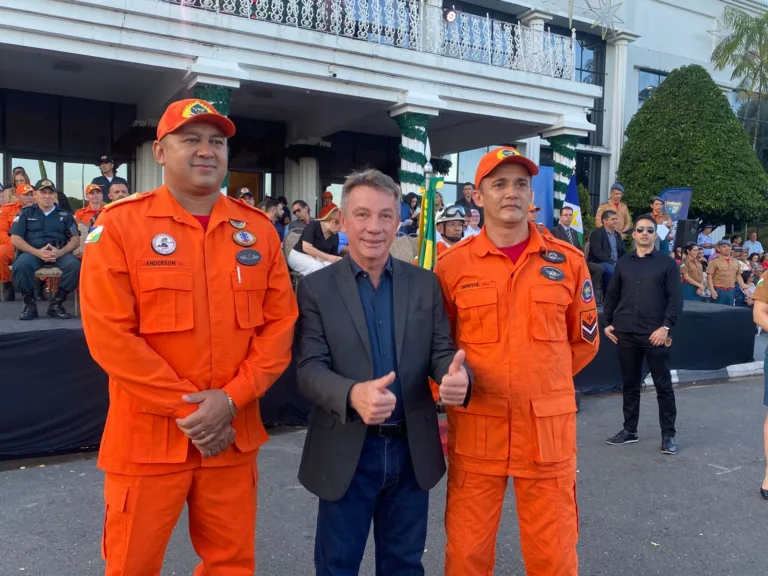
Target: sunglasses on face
[649, 229]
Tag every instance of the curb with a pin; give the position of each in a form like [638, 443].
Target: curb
[734, 371]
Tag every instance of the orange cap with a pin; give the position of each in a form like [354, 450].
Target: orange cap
[91, 187]
[327, 194]
[24, 189]
[533, 208]
[505, 155]
[193, 110]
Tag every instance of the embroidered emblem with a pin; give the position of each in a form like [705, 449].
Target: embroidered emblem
[589, 326]
[552, 273]
[506, 153]
[587, 292]
[668, 342]
[195, 108]
[244, 238]
[552, 256]
[239, 224]
[248, 257]
[164, 244]
[94, 235]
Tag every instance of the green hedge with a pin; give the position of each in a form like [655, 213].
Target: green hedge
[687, 135]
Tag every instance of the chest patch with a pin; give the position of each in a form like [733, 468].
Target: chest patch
[164, 244]
[553, 256]
[552, 273]
[248, 257]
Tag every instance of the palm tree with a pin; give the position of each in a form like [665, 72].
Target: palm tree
[745, 48]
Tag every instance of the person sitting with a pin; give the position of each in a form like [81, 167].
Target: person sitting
[606, 245]
[87, 215]
[274, 210]
[26, 197]
[328, 204]
[45, 234]
[474, 223]
[245, 195]
[450, 226]
[8, 195]
[743, 297]
[754, 263]
[318, 245]
[300, 209]
[410, 210]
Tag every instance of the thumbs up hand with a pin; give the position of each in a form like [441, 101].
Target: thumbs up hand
[372, 399]
[453, 388]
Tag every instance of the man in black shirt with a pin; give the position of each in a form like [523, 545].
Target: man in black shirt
[641, 305]
[467, 202]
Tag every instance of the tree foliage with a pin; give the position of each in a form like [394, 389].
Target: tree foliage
[686, 135]
[587, 220]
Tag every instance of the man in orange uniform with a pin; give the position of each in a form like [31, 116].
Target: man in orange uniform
[26, 197]
[328, 205]
[88, 213]
[522, 307]
[187, 306]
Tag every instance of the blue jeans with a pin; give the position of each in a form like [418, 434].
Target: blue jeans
[724, 297]
[608, 268]
[383, 490]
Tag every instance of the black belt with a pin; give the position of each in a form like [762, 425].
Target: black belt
[397, 430]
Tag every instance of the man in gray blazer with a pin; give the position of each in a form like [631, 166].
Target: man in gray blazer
[372, 330]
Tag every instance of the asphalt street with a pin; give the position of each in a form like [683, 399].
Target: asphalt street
[642, 513]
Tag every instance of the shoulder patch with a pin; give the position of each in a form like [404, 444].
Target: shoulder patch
[128, 200]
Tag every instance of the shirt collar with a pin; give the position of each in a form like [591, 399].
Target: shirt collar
[482, 245]
[357, 270]
[651, 253]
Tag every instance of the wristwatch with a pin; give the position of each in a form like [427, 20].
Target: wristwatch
[666, 328]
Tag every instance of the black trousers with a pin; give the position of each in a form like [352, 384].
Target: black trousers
[632, 349]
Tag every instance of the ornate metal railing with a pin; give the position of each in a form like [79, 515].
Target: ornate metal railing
[414, 25]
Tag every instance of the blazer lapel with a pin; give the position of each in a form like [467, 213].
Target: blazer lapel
[400, 292]
[351, 298]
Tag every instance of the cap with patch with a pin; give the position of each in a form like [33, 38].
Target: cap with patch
[499, 156]
[533, 208]
[106, 159]
[657, 199]
[723, 242]
[183, 112]
[244, 191]
[92, 188]
[45, 183]
[22, 189]
[617, 186]
[327, 195]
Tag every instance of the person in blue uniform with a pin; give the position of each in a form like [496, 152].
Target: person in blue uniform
[108, 177]
[44, 234]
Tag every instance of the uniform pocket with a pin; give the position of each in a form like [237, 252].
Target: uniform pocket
[548, 321]
[114, 539]
[165, 300]
[478, 315]
[555, 421]
[482, 428]
[249, 287]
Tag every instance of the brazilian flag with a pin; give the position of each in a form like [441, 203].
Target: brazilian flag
[427, 230]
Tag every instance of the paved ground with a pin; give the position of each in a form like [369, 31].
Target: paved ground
[642, 513]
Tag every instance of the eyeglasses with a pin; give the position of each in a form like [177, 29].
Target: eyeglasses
[649, 229]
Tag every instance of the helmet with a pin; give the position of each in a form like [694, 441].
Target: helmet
[452, 213]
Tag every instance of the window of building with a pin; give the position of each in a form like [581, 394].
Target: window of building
[590, 69]
[648, 82]
[588, 175]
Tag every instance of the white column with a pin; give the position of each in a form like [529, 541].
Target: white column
[535, 19]
[533, 149]
[291, 180]
[149, 174]
[308, 188]
[620, 44]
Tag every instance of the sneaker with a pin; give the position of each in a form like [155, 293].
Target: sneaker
[668, 445]
[623, 437]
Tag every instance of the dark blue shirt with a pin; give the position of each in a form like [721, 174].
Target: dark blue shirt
[105, 183]
[380, 320]
[38, 230]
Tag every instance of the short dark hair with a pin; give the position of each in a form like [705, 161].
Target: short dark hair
[267, 205]
[746, 275]
[607, 214]
[119, 184]
[647, 217]
[564, 208]
[735, 236]
[301, 204]
[282, 200]
[690, 246]
[468, 184]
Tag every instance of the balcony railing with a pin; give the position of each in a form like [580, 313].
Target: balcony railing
[414, 25]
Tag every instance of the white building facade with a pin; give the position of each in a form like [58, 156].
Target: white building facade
[318, 88]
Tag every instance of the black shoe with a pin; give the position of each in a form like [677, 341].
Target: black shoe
[764, 493]
[9, 293]
[623, 437]
[668, 445]
[55, 308]
[30, 308]
[40, 291]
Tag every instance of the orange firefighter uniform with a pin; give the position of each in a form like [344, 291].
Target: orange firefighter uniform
[7, 214]
[527, 328]
[170, 309]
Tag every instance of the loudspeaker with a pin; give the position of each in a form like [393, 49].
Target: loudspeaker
[687, 231]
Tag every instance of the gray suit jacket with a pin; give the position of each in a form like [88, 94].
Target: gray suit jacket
[334, 353]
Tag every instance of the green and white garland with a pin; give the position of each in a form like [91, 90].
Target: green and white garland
[413, 130]
[221, 98]
[564, 163]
